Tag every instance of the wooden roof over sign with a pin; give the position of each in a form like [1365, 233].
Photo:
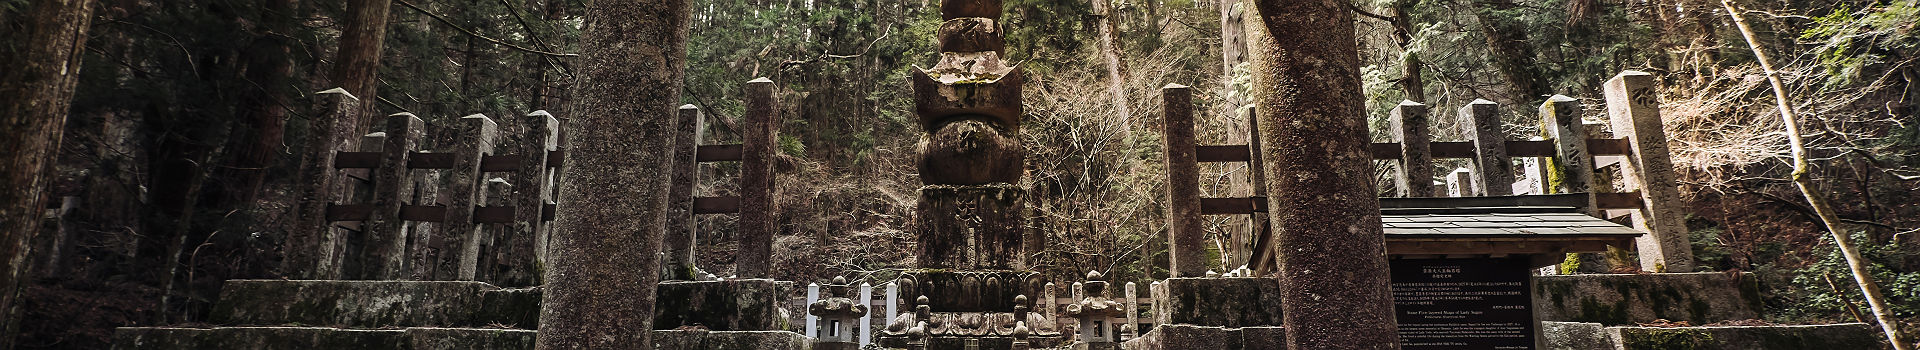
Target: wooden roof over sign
[1551, 224]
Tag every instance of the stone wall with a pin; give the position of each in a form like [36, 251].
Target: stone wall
[1621, 299]
[1220, 302]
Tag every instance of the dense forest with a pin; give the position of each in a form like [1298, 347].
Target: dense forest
[189, 119]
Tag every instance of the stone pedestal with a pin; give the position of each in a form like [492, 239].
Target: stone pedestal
[731, 305]
[988, 309]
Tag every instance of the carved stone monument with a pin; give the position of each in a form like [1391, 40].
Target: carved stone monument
[971, 210]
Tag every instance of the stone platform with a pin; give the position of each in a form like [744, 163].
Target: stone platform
[1191, 337]
[1626, 299]
[435, 315]
[730, 305]
[375, 304]
[300, 338]
[419, 338]
[1594, 336]
[730, 340]
[1217, 302]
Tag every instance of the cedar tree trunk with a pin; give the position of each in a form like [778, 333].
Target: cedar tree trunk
[602, 259]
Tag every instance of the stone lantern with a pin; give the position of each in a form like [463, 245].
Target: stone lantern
[1095, 310]
[839, 316]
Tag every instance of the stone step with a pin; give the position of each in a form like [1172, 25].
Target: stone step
[1594, 336]
[290, 338]
[375, 304]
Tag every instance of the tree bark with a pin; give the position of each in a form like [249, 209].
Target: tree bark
[255, 142]
[1313, 128]
[1116, 68]
[1510, 52]
[356, 67]
[1803, 179]
[42, 59]
[602, 259]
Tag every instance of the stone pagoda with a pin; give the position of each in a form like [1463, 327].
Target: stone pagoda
[971, 273]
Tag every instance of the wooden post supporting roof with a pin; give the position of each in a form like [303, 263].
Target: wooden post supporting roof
[1633, 106]
[1480, 121]
[1186, 242]
[1410, 129]
[756, 181]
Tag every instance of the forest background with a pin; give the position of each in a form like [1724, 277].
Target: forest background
[190, 116]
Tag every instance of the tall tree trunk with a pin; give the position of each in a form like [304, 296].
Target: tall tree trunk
[1313, 129]
[1511, 53]
[1116, 68]
[1233, 48]
[42, 59]
[255, 142]
[1411, 81]
[356, 67]
[633, 58]
[1803, 178]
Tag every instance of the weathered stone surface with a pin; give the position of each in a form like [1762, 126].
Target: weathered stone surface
[970, 291]
[262, 338]
[970, 35]
[729, 340]
[732, 305]
[754, 259]
[515, 307]
[1574, 336]
[970, 151]
[1410, 127]
[971, 227]
[351, 303]
[303, 338]
[1186, 251]
[1217, 302]
[1185, 337]
[1809, 337]
[469, 338]
[1633, 107]
[1615, 299]
[971, 87]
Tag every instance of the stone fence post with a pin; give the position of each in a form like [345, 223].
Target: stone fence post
[1633, 106]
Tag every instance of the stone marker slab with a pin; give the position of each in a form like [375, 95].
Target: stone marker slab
[732, 305]
[1622, 299]
[1217, 302]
